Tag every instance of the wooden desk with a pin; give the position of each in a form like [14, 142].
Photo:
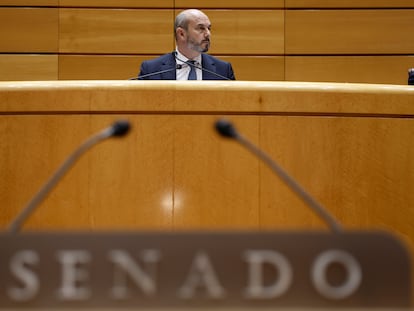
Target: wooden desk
[349, 145]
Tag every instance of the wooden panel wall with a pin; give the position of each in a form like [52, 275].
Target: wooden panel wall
[364, 41]
[30, 30]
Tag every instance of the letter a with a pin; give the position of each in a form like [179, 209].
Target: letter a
[201, 274]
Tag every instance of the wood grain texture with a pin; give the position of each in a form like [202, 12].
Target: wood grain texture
[99, 67]
[204, 156]
[122, 67]
[118, 3]
[35, 67]
[29, 30]
[362, 160]
[41, 135]
[173, 172]
[361, 69]
[349, 31]
[29, 2]
[93, 31]
[241, 32]
[229, 4]
[137, 174]
[349, 4]
[246, 97]
[257, 68]
[109, 39]
[347, 144]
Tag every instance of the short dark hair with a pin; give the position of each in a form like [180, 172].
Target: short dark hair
[181, 21]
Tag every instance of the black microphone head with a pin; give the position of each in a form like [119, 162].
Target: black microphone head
[226, 129]
[411, 76]
[120, 128]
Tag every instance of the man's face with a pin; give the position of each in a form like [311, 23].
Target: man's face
[198, 34]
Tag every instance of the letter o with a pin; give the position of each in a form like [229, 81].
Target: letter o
[351, 265]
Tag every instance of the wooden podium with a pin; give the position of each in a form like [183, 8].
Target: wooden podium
[349, 145]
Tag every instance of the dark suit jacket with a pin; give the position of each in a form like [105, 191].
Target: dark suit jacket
[166, 65]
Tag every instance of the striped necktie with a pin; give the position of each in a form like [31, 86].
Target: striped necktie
[192, 75]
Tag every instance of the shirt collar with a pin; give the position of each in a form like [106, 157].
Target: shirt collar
[181, 59]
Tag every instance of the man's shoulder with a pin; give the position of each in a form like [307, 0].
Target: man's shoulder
[213, 59]
[161, 59]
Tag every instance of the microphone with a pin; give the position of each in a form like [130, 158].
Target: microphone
[118, 129]
[411, 76]
[226, 129]
[143, 77]
[200, 67]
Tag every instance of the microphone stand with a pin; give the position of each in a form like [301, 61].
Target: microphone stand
[120, 128]
[143, 77]
[226, 129]
[200, 67]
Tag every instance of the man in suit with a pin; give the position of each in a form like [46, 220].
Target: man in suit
[192, 30]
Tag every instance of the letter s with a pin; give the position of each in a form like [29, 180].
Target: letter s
[30, 282]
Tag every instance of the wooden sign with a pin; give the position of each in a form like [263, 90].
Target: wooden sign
[239, 270]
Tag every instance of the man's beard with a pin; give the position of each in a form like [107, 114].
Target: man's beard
[198, 46]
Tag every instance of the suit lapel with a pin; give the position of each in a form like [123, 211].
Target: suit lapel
[169, 64]
[208, 63]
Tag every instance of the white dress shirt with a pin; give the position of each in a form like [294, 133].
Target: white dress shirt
[182, 74]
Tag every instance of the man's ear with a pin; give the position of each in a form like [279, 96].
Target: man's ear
[180, 32]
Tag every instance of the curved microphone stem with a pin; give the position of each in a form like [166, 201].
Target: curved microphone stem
[226, 129]
[318, 209]
[200, 67]
[143, 77]
[60, 172]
